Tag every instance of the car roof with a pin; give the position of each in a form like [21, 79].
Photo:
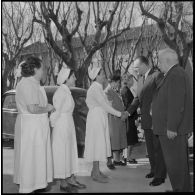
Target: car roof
[52, 89]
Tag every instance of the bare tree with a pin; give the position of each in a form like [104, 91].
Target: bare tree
[107, 17]
[170, 23]
[16, 31]
[57, 14]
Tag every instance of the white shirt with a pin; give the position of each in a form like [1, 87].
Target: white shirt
[146, 74]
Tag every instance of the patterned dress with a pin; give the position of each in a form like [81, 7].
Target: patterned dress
[117, 127]
[132, 137]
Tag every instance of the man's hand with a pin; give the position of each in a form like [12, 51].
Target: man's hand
[171, 134]
[124, 115]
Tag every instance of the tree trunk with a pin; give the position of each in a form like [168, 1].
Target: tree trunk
[81, 74]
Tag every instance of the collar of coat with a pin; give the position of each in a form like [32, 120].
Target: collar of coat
[166, 75]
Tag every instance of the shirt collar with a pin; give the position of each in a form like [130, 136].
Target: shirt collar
[169, 69]
[146, 74]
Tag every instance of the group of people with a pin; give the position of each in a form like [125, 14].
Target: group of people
[165, 101]
[123, 134]
[41, 155]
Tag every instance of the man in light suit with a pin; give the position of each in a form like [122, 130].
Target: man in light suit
[146, 86]
[172, 116]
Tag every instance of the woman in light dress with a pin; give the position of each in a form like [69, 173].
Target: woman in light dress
[97, 140]
[32, 147]
[64, 144]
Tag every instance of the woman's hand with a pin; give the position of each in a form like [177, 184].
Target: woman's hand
[50, 108]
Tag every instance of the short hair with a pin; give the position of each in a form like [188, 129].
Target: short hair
[116, 76]
[127, 76]
[117, 72]
[143, 59]
[27, 68]
[169, 54]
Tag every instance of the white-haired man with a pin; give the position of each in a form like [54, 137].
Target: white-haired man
[172, 118]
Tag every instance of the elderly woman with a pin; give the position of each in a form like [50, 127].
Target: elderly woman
[97, 140]
[32, 148]
[64, 144]
[117, 127]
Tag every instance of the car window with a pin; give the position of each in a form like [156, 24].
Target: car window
[80, 101]
[9, 102]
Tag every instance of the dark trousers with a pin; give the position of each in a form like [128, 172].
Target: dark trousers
[175, 152]
[155, 154]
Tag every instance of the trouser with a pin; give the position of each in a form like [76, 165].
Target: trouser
[155, 154]
[175, 153]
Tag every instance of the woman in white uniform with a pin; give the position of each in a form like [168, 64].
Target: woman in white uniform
[32, 146]
[97, 140]
[64, 144]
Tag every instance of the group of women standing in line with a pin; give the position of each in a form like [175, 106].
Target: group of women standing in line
[41, 155]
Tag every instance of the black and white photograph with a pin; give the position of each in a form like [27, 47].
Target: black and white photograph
[97, 97]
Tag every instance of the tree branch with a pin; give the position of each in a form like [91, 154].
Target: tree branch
[79, 13]
[148, 14]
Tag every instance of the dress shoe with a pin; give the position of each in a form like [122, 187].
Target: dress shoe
[150, 175]
[111, 166]
[125, 160]
[132, 161]
[43, 190]
[120, 163]
[78, 185]
[68, 189]
[157, 182]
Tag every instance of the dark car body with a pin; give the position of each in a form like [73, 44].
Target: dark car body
[79, 114]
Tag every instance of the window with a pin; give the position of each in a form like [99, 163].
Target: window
[9, 102]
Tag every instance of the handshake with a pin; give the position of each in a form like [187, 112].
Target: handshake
[124, 115]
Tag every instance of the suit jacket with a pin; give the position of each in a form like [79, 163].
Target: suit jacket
[172, 103]
[128, 97]
[145, 92]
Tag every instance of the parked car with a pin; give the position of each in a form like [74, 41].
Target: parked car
[79, 114]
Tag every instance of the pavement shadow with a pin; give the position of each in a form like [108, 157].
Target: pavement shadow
[8, 185]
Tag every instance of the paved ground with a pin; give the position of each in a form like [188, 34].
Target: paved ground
[130, 178]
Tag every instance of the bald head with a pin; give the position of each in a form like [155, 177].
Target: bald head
[167, 58]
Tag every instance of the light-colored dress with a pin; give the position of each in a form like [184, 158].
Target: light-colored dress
[97, 139]
[32, 146]
[64, 144]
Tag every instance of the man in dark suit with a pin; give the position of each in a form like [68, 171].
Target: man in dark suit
[172, 117]
[146, 87]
